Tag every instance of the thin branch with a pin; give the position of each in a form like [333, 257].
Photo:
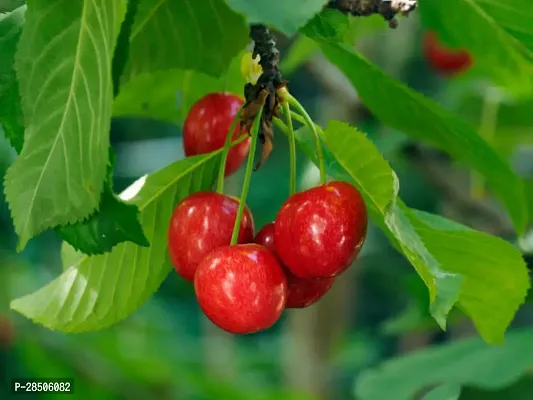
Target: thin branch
[483, 215]
[388, 9]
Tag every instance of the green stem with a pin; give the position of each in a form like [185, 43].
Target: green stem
[247, 178]
[487, 129]
[292, 149]
[311, 125]
[302, 121]
[225, 150]
[284, 128]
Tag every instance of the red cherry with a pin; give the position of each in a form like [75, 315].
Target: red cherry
[265, 238]
[319, 232]
[200, 223]
[302, 292]
[443, 59]
[242, 288]
[207, 126]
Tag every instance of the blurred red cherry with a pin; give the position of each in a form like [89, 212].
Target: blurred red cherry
[441, 58]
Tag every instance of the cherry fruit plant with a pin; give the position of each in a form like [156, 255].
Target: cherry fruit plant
[69, 67]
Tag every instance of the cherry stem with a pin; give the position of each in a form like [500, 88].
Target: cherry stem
[247, 178]
[285, 129]
[279, 123]
[311, 125]
[225, 151]
[302, 121]
[292, 148]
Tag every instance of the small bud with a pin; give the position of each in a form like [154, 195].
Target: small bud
[283, 94]
[250, 68]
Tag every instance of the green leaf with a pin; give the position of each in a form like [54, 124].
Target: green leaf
[201, 35]
[10, 108]
[520, 390]
[515, 19]
[496, 278]
[286, 16]
[63, 65]
[466, 362]
[486, 276]
[403, 109]
[122, 49]
[98, 291]
[169, 95]
[444, 392]
[331, 25]
[70, 256]
[371, 172]
[505, 25]
[10, 5]
[328, 25]
[114, 223]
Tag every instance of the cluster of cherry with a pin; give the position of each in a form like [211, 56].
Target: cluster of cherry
[291, 262]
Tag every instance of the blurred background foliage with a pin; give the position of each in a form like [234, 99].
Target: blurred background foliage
[370, 338]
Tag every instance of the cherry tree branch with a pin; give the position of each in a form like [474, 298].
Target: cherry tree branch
[265, 91]
[481, 214]
[386, 8]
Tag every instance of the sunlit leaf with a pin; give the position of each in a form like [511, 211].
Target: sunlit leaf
[97, 291]
[63, 64]
[114, 221]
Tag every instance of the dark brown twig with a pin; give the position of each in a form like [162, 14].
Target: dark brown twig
[386, 8]
[264, 91]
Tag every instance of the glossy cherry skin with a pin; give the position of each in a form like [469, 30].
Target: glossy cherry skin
[207, 125]
[320, 231]
[241, 289]
[443, 59]
[202, 222]
[302, 292]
